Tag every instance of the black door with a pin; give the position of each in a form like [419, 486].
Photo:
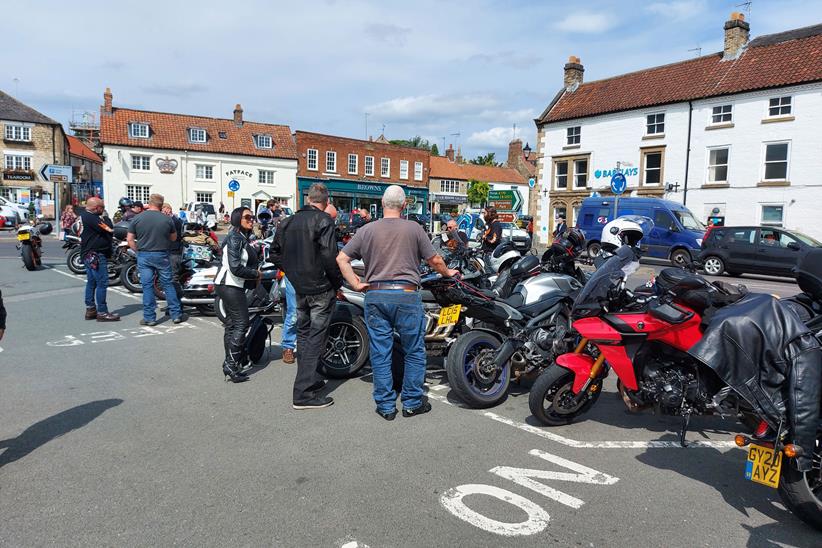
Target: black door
[776, 256]
[739, 250]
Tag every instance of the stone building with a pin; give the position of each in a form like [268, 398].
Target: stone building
[734, 135]
[30, 140]
[87, 171]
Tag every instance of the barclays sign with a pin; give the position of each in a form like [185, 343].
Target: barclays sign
[607, 173]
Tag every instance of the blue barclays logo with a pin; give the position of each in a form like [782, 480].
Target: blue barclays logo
[607, 173]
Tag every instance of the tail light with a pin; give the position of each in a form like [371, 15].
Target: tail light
[761, 430]
[211, 288]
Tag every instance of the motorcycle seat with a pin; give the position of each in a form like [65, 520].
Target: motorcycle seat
[514, 301]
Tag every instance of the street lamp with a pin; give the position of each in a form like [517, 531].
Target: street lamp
[527, 150]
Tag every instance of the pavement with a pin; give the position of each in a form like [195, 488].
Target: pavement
[116, 434]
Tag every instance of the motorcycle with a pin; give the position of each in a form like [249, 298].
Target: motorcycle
[71, 244]
[29, 243]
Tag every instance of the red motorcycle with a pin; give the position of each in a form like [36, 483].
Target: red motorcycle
[645, 339]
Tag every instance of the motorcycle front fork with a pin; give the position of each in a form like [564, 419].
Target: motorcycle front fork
[596, 370]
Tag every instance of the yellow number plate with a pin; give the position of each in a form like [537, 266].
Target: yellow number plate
[763, 465]
[449, 315]
[24, 236]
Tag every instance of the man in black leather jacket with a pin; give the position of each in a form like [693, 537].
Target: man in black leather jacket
[305, 247]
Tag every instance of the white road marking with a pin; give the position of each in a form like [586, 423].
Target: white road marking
[41, 294]
[452, 500]
[652, 444]
[118, 335]
[353, 544]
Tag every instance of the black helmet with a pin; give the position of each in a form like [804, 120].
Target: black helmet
[125, 203]
[576, 238]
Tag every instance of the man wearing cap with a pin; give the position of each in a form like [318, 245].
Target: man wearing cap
[392, 249]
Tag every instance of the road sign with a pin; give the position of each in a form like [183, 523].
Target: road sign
[230, 194]
[532, 182]
[505, 200]
[56, 174]
[507, 217]
[618, 183]
[233, 185]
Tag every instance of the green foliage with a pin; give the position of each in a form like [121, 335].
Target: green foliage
[434, 150]
[478, 191]
[486, 160]
[416, 142]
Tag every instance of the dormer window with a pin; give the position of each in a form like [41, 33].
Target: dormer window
[137, 130]
[197, 135]
[263, 141]
[222, 134]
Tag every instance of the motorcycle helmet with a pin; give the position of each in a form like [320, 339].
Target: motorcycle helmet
[125, 203]
[626, 230]
[577, 239]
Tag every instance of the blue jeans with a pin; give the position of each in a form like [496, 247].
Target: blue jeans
[290, 319]
[151, 263]
[96, 284]
[386, 312]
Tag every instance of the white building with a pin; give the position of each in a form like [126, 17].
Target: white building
[193, 158]
[734, 135]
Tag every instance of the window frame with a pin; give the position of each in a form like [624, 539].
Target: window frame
[730, 113]
[368, 172]
[145, 191]
[258, 141]
[556, 174]
[576, 173]
[356, 158]
[266, 176]
[24, 129]
[771, 224]
[385, 167]
[649, 124]
[451, 186]
[316, 159]
[765, 162]
[330, 160]
[418, 167]
[208, 172]
[404, 164]
[133, 135]
[200, 194]
[709, 165]
[779, 106]
[191, 138]
[573, 137]
[142, 168]
[643, 171]
[24, 159]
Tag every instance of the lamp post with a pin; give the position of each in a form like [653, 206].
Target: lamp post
[527, 150]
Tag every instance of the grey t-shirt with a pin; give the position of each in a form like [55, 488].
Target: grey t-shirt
[391, 250]
[152, 230]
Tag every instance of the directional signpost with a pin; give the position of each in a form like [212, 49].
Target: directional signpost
[505, 200]
[56, 174]
[233, 187]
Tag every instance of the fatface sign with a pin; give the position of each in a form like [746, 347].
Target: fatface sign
[238, 172]
[167, 165]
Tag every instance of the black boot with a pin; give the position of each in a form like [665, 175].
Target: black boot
[233, 374]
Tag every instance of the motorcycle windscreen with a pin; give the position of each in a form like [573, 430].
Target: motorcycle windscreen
[611, 273]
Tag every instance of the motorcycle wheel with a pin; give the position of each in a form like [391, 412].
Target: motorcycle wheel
[551, 398]
[114, 274]
[256, 344]
[219, 309]
[130, 278]
[802, 491]
[347, 349]
[29, 260]
[474, 387]
[74, 262]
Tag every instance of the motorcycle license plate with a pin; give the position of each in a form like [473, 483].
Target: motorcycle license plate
[23, 236]
[449, 315]
[763, 466]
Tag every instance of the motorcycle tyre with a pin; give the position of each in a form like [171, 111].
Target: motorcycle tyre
[29, 260]
[126, 281]
[74, 262]
[550, 377]
[219, 310]
[358, 325]
[798, 497]
[455, 369]
[256, 342]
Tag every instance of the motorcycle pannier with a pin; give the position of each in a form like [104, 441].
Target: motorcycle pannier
[526, 264]
[809, 273]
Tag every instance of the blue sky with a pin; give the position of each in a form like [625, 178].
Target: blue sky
[420, 68]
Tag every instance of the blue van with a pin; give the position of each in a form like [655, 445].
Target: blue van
[677, 234]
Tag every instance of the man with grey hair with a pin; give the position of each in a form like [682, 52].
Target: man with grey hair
[392, 249]
[305, 247]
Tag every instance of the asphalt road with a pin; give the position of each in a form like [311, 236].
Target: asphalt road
[116, 434]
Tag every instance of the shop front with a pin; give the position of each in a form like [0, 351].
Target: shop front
[448, 203]
[349, 195]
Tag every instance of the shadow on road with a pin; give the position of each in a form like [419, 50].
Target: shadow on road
[51, 428]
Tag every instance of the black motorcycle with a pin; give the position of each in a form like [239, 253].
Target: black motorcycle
[30, 243]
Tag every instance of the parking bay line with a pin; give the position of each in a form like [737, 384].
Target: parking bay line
[652, 444]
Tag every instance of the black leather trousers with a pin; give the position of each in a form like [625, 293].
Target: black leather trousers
[236, 323]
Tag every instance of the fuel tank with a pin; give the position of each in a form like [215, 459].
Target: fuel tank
[546, 285]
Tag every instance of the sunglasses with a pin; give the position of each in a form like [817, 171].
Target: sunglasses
[248, 217]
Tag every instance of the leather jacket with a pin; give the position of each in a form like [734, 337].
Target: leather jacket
[239, 262]
[305, 247]
[761, 348]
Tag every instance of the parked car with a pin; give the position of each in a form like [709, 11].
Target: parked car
[8, 217]
[677, 234]
[753, 249]
[519, 237]
[202, 212]
[21, 210]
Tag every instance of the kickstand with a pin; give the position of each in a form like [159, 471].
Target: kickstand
[686, 419]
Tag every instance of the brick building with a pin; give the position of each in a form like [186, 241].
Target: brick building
[87, 171]
[357, 172]
[30, 140]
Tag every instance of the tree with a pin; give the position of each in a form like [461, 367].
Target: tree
[486, 160]
[434, 150]
[478, 192]
[415, 142]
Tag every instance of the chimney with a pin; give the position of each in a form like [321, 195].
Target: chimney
[514, 153]
[238, 115]
[459, 155]
[737, 31]
[573, 73]
[107, 97]
[450, 153]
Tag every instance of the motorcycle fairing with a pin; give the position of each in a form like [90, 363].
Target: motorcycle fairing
[580, 365]
[681, 336]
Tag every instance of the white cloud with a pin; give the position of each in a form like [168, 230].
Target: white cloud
[678, 9]
[419, 107]
[583, 21]
[496, 137]
[388, 33]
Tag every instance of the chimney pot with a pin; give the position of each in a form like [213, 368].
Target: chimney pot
[450, 152]
[573, 73]
[514, 153]
[238, 115]
[107, 98]
[737, 32]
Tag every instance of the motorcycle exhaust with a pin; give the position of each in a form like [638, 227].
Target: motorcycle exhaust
[190, 300]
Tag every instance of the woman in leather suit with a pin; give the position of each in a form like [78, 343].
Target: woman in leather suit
[237, 273]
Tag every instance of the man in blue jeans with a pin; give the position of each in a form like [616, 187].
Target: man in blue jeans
[289, 342]
[150, 234]
[392, 249]
[95, 249]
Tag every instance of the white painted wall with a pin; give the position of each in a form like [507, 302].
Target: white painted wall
[182, 185]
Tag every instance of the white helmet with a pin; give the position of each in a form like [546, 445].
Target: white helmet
[626, 230]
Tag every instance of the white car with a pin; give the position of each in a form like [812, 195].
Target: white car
[21, 211]
[203, 213]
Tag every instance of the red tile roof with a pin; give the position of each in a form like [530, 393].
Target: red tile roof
[443, 168]
[170, 131]
[79, 148]
[788, 58]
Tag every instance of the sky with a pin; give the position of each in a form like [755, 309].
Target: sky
[454, 72]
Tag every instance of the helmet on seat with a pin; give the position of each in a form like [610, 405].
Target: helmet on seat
[626, 230]
[125, 203]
